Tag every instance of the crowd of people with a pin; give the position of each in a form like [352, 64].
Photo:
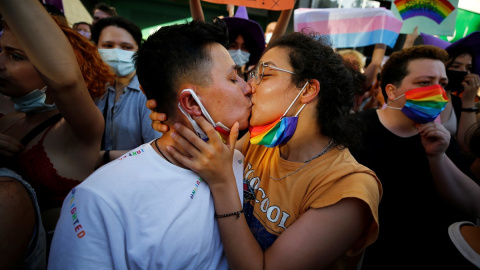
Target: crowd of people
[198, 147]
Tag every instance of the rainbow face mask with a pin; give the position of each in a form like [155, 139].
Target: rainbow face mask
[423, 104]
[278, 132]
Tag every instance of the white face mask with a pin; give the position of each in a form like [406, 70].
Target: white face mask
[239, 57]
[119, 60]
[218, 126]
[268, 36]
[33, 102]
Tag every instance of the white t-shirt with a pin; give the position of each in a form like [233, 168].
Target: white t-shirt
[140, 212]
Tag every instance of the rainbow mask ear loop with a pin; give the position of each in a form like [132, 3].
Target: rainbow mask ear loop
[219, 127]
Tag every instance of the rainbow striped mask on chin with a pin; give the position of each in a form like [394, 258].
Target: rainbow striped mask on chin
[278, 132]
[423, 104]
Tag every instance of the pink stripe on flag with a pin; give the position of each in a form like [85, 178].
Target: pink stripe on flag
[356, 25]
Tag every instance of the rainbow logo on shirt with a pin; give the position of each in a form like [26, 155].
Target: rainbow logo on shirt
[437, 10]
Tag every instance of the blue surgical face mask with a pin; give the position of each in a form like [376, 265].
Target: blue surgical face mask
[119, 60]
[33, 102]
[239, 57]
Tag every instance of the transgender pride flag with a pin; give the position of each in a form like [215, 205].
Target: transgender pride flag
[350, 27]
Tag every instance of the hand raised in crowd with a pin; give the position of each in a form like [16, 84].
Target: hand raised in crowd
[471, 85]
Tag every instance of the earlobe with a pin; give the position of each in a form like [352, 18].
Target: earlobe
[189, 104]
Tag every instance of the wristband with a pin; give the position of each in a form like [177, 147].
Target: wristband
[474, 109]
[106, 157]
[230, 214]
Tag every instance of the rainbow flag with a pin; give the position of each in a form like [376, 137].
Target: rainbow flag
[436, 10]
[350, 27]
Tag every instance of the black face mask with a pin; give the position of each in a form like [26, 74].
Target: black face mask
[455, 79]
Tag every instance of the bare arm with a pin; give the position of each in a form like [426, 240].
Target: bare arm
[51, 53]
[282, 24]
[471, 85]
[372, 69]
[451, 182]
[410, 39]
[17, 222]
[196, 10]
[325, 231]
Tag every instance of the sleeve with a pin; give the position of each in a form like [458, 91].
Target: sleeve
[88, 235]
[364, 186]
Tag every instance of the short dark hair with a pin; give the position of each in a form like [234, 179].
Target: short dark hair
[174, 55]
[395, 69]
[117, 21]
[312, 57]
[106, 8]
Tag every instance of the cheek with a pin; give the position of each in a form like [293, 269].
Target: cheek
[26, 78]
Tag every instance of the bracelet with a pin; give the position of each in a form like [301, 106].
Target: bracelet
[231, 214]
[474, 109]
[106, 157]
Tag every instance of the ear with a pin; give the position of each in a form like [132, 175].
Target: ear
[310, 92]
[189, 104]
[390, 90]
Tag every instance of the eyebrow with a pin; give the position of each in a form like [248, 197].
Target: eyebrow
[270, 63]
[12, 49]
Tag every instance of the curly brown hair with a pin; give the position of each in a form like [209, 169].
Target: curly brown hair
[95, 71]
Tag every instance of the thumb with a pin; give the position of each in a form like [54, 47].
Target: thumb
[232, 138]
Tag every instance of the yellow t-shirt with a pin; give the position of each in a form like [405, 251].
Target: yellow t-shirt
[271, 206]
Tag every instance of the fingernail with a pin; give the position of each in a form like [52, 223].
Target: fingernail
[173, 134]
[176, 126]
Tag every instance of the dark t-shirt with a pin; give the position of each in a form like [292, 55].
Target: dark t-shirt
[413, 218]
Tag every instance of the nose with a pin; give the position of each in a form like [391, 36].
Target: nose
[246, 88]
[252, 84]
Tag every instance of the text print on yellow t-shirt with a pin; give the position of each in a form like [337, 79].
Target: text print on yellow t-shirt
[273, 213]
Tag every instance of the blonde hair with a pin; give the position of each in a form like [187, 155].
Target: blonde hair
[358, 55]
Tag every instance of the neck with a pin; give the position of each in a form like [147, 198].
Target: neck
[296, 149]
[122, 82]
[397, 122]
[166, 140]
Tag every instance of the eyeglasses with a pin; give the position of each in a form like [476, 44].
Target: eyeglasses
[257, 73]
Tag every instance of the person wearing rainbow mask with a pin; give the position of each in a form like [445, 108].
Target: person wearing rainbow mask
[307, 203]
[416, 160]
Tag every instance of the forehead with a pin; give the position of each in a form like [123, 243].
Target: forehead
[277, 57]
[100, 14]
[8, 39]
[220, 57]
[463, 58]
[426, 67]
[115, 34]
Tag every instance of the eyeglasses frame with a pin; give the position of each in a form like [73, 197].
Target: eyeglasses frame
[252, 73]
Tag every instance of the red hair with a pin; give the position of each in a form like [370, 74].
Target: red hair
[95, 71]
